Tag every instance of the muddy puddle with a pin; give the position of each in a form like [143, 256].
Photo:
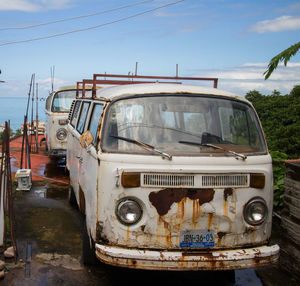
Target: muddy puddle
[56, 168]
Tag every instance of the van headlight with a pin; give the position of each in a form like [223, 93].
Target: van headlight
[129, 211]
[61, 134]
[255, 211]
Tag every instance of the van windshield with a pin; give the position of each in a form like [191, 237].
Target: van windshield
[62, 100]
[182, 125]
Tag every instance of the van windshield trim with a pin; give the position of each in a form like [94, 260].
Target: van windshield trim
[237, 150]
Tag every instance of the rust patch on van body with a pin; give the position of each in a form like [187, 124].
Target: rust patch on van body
[221, 234]
[227, 193]
[164, 199]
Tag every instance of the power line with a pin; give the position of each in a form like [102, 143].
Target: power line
[74, 18]
[92, 27]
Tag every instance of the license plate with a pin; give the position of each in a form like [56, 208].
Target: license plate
[197, 238]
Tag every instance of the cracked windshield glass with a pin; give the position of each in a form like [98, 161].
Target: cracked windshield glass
[182, 125]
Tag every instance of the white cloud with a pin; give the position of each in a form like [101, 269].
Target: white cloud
[33, 5]
[20, 5]
[283, 23]
[19, 88]
[249, 76]
[46, 82]
[55, 4]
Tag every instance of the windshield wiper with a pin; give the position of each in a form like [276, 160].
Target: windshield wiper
[144, 145]
[239, 155]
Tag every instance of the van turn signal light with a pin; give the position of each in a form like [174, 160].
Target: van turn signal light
[131, 179]
[257, 181]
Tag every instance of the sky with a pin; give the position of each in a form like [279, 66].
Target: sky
[228, 39]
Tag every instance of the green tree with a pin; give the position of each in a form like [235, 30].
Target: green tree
[295, 91]
[283, 56]
[280, 118]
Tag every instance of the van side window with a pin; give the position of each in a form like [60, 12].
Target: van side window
[96, 114]
[48, 102]
[82, 117]
[75, 113]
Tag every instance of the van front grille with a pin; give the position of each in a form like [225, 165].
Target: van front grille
[240, 180]
[194, 180]
[168, 180]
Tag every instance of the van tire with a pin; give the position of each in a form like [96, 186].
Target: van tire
[72, 197]
[88, 247]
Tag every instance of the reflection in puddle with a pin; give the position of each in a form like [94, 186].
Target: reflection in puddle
[55, 168]
[40, 193]
[60, 193]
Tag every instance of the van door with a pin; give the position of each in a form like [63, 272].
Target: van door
[89, 167]
[73, 144]
[75, 160]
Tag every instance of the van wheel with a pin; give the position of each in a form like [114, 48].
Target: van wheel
[88, 247]
[72, 197]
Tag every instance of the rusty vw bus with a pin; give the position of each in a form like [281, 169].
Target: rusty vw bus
[171, 176]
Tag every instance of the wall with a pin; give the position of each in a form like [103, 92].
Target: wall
[290, 223]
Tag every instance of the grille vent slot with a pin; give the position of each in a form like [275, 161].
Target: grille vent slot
[225, 180]
[168, 180]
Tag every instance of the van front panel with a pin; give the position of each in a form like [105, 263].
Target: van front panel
[177, 211]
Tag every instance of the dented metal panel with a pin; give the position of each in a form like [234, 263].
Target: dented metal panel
[178, 261]
[167, 211]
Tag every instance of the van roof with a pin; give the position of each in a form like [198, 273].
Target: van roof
[115, 92]
[70, 87]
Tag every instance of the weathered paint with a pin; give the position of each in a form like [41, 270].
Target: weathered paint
[164, 199]
[227, 192]
[167, 211]
[178, 261]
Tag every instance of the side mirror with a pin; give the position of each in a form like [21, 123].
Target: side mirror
[86, 139]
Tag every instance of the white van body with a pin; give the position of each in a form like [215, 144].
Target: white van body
[57, 110]
[172, 177]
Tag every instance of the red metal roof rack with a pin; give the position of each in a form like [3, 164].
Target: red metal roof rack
[114, 79]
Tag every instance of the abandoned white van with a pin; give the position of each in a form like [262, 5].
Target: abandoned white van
[57, 110]
[171, 177]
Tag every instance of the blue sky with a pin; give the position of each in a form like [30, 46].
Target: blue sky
[231, 40]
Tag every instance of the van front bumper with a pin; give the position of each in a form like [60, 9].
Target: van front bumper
[188, 260]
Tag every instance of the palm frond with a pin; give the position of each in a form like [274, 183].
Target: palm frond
[283, 56]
